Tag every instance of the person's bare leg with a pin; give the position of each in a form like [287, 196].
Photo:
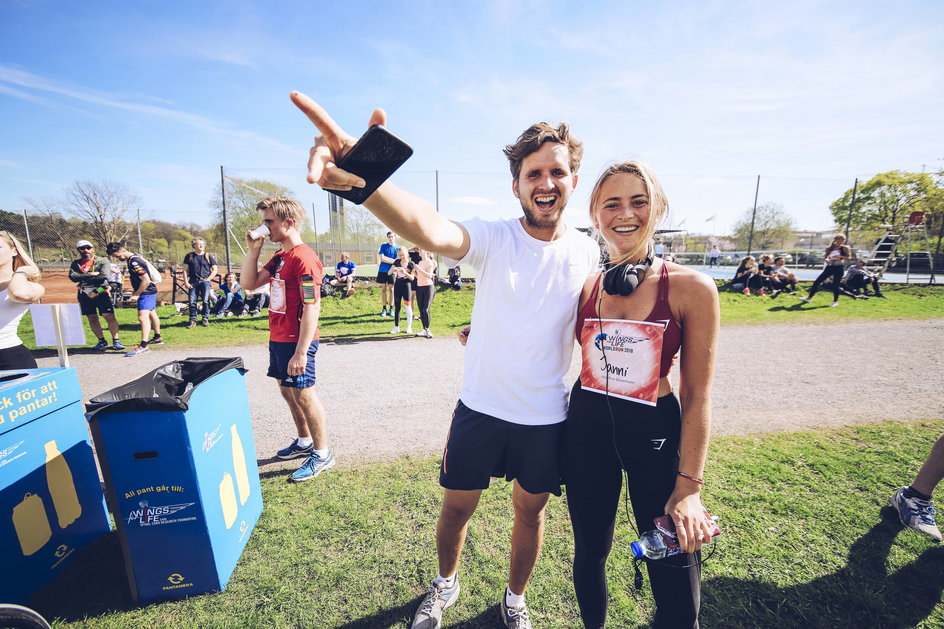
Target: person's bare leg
[932, 471]
[95, 325]
[112, 324]
[527, 535]
[155, 322]
[458, 506]
[144, 318]
[311, 414]
[301, 426]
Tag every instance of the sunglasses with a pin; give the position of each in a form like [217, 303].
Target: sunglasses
[84, 248]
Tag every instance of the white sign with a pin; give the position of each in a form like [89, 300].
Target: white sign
[44, 328]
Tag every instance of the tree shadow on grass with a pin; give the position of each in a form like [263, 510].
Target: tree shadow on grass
[862, 594]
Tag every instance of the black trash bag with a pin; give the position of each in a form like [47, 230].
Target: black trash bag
[167, 388]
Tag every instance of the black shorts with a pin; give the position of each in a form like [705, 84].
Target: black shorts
[480, 447]
[101, 303]
[17, 357]
[384, 278]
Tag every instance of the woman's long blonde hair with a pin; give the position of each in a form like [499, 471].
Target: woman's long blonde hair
[658, 205]
[20, 257]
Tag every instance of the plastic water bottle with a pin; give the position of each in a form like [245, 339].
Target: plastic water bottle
[651, 545]
[662, 541]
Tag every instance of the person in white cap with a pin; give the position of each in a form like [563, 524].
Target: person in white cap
[91, 274]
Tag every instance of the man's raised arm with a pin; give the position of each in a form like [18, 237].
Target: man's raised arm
[406, 214]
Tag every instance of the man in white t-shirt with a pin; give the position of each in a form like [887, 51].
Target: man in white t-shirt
[529, 273]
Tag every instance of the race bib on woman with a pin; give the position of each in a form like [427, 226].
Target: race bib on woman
[622, 358]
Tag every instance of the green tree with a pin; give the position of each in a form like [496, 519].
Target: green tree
[773, 228]
[887, 199]
[242, 196]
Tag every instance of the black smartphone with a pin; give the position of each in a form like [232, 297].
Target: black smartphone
[374, 158]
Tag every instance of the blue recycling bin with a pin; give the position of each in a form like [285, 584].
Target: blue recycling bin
[177, 456]
[51, 502]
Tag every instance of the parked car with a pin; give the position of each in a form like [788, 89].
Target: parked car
[919, 260]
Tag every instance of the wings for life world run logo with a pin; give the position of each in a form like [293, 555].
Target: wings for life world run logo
[147, 515]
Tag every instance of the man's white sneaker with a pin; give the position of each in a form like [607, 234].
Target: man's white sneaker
[835, 303]
[409, 329]
[806, 299]
[395, 330]
[439, 597]
[514, 617]
[916, 513]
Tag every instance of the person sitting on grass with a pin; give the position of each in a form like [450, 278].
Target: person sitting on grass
[344, 274]
[745, 277]
[256, 299]
[858, 279]
[232, 301]
[913, 503]
[783, 279]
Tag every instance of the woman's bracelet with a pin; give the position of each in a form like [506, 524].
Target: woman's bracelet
[692, 478]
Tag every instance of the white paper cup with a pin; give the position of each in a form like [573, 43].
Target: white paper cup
[259, 232]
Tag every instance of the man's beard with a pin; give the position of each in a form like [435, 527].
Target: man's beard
[541, 222]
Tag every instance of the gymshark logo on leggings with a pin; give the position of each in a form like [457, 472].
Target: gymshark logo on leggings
[657, 443]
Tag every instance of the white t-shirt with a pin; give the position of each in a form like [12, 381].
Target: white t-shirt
[10, 314]
[526, 297]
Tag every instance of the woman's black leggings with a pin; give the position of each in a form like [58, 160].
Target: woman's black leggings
[832, 270]
[648, 440]
[401, 291]
[424, 297]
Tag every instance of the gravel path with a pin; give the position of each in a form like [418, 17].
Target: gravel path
[825, 375]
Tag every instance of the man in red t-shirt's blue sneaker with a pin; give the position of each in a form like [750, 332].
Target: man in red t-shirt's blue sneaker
[293, 275]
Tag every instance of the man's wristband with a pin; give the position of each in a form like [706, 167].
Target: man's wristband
[21, 272]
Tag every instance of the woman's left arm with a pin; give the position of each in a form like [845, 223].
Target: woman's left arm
[699, 315]
[21, 289]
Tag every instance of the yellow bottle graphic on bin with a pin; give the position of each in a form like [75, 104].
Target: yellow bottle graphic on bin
[61, 486]
[239, 465]
[228, 500]
[31, 524]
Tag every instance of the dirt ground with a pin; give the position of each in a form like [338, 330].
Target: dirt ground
[768, 378]
[61, 290]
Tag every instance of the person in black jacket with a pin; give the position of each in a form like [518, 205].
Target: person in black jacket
[91, 274]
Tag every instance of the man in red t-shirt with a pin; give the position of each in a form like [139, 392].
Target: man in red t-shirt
[294, 275]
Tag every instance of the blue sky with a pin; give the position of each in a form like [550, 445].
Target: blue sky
[157, 96]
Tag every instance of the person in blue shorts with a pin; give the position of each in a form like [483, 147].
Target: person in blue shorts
[294, 276]
[144, 293]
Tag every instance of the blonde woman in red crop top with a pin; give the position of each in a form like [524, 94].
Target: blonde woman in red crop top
[661, 447]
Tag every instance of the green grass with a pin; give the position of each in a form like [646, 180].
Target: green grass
[904, 302]
[804, 545]
[357, 318]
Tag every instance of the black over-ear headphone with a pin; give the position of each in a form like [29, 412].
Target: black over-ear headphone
[622, 279]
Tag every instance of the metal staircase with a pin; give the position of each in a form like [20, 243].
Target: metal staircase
[883, 254]
[884, 251]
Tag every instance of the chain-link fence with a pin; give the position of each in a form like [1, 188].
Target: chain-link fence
[690, 230]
